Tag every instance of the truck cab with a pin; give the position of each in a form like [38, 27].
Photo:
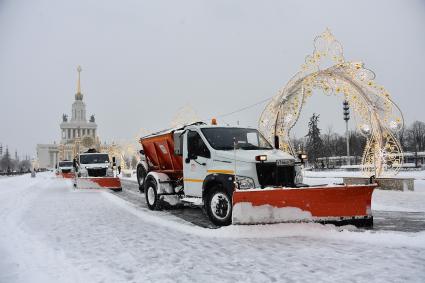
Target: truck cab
[222, 151]
[94, 165]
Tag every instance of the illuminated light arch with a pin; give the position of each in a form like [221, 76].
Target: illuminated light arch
[377, 117]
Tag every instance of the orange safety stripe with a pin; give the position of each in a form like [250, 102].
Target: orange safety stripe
[221, 171]
[193, 180]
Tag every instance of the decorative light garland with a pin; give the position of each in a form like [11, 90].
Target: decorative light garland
[378, 118]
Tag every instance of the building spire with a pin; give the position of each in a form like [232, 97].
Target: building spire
[79, 95]
[79, 69]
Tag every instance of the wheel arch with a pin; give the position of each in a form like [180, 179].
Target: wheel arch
[143, 164]
[226, 180]
[162, 181]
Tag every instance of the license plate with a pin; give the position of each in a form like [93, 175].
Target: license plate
[284, 162]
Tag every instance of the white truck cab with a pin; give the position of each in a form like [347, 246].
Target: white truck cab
[242, 152]
[94, 165]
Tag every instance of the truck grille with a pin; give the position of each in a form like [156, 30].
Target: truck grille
[271, 175]
[66, 170]
[97, 172]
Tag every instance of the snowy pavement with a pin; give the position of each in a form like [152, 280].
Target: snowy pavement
[50, 232]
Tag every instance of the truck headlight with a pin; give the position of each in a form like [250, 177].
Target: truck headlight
[109, 172]
[83, 173]
[245, 183]
[298, 174]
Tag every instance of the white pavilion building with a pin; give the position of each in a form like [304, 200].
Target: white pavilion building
[77, 134]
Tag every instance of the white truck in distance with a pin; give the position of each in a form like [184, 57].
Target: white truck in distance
[65, 169]
[94, 170]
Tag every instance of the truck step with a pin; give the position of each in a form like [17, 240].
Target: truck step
[193, 201]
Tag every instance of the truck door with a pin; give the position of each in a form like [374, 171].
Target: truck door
[196, 157]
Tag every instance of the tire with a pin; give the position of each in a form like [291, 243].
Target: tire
[151, 194]
[141, 176]
[219, 206]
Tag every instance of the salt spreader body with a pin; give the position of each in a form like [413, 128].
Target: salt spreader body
[93, 170]
[240, 178]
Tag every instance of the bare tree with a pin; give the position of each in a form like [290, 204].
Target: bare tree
[416, 138]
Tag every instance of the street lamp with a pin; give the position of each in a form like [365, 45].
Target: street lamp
[346, 112]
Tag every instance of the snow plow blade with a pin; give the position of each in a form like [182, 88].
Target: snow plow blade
[69, 175]
[112, 183]
[339, 205]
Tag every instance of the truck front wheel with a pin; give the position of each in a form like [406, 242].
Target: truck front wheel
[219, 206]
[151, 193]
[141, 176]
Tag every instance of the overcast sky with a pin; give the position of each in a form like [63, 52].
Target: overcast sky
[143, 60]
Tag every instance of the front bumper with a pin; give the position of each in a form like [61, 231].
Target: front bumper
[113, 183]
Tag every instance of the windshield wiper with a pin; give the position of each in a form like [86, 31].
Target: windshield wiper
[224, 148]
[248, 146]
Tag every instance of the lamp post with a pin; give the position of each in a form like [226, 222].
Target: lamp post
[346, 112]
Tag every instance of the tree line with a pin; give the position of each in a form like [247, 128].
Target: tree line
[8, 164]
[317, 143]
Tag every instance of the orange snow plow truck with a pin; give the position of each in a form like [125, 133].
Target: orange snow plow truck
[239, 177]
[65, 169]
[93, 170]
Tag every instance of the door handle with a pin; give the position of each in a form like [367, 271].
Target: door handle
[203, 164]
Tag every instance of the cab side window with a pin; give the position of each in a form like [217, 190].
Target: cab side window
[196, 146]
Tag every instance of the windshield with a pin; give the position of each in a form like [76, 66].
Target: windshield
[94, 158]
[65, 164]
[224, 138]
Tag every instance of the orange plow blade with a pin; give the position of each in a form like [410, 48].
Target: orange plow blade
[112, 183]
[69, 175]
[340, 205]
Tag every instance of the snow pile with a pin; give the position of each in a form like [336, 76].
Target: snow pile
[398, 201]
[246, 213]
[418, 175]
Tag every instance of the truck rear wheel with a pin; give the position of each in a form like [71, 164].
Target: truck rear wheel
[151, 193]
[141, 176]
[219, 206]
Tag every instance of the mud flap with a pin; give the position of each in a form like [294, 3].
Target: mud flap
[112, 183]
[330, 204]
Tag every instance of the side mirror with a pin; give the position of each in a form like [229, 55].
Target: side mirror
[142, 152]
[302, 157]
[276, 142]
[191, 157]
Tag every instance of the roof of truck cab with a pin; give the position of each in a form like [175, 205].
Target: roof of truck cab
[226, 126]
[92, 153]
[199, 125]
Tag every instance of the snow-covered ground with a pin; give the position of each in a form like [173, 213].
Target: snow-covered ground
[50, 232]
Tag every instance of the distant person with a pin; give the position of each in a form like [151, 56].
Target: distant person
[119, 169]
